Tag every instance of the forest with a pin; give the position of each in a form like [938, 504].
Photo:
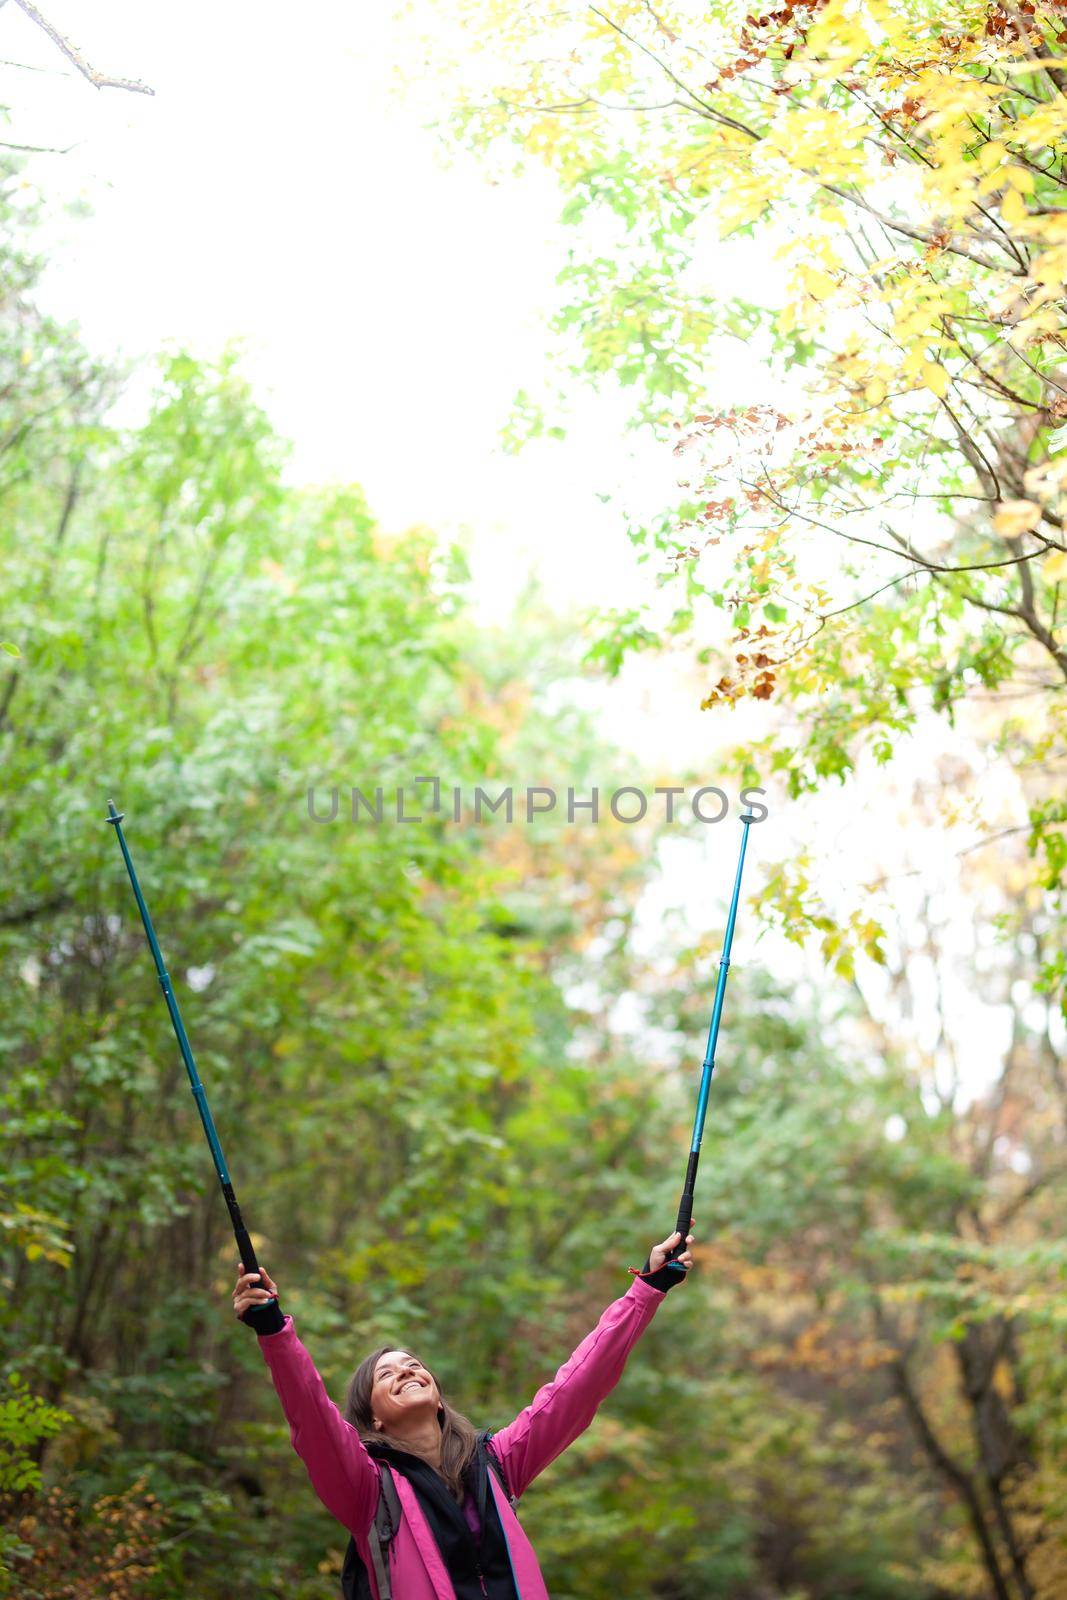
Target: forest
[441, 1128]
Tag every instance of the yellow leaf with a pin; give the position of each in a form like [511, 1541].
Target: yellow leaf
[1042, 127]
[1020, 179]
[819, 284]
[1054, 567]
[1013, 208]
[1049, 268]
[1014, 517]
[876, 391]
[936, 378]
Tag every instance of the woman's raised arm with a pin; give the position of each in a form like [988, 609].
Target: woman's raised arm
[342, 1474]
[564, 1408]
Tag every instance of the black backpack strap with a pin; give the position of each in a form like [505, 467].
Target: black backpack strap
[355, 1584]
[495, 1466]
[386, 1522]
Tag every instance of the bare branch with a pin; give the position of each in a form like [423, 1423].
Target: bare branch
[1033, 623]
[704, 108]
[38, 149]
[99, 80]
[902, 546]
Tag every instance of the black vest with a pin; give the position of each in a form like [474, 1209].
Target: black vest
[470, 1562]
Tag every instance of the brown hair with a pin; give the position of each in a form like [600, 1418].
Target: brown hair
[458, 1438]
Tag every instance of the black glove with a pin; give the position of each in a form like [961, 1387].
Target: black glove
[264, 1319]
[665, 1278]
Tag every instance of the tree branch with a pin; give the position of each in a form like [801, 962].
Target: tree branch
[99, 80]
[950, 1469]
[712, 114]
[901, 547]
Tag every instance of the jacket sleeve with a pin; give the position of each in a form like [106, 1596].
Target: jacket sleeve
[342, 1474]
[564, 1408]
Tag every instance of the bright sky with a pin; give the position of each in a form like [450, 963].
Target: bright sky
[275, 190]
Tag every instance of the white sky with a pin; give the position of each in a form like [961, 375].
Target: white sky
[275, 190]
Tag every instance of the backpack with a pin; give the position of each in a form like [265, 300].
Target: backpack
[355, 1584]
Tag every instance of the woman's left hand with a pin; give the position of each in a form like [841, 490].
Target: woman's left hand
[659, 1253]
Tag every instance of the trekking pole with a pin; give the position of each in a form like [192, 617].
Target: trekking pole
[244, 1244]
[685, 1207]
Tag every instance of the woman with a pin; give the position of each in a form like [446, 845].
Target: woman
[456, 1535]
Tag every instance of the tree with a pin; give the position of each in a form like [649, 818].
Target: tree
[894, 536]
[877, 549]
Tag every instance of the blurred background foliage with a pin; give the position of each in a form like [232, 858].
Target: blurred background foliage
[439, 1131]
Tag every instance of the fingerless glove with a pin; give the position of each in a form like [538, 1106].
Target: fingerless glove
[268, 1319]
[664, 1277]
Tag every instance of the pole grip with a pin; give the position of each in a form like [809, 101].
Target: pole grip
[259, 1318]
[245, 1250]
[246, 1254]
[685, 1205]
[682, 1225]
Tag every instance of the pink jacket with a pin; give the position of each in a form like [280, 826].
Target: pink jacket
[346, 1479]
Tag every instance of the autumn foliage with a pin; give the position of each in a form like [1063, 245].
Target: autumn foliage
[106, 1551]
[824, 246]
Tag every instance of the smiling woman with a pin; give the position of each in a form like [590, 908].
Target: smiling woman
[428, 1501]
[395, 1400]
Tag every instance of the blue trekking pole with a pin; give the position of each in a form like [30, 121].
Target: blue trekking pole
[254, 1314]
[685, 1207]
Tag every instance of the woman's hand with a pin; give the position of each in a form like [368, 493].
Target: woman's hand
[659, 1253]
[657, 1273]
[249, 1290]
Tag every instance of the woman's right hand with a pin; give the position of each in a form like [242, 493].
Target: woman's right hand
[252, 1289]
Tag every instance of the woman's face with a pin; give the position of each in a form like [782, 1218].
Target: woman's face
[403, 1392]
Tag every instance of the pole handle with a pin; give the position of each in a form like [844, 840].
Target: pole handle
[255, 1315]
[685, 1207]
[682, 1225]
[246, 1250]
